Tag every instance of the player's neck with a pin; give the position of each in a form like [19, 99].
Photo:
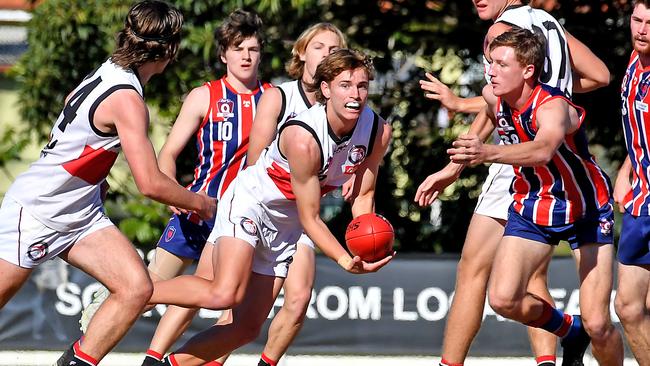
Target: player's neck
[242, 86]
[506, 6]
[518, 98]
[644, 59]
[311, 95]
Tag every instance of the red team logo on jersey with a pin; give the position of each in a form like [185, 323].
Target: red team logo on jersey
[356, 155]
[225, 108]
[37, 251]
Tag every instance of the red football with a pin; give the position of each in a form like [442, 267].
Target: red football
[370, 236]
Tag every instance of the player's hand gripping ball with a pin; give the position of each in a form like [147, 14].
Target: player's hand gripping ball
[370, 236]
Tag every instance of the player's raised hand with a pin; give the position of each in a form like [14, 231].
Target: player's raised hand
[467, 149]
[436, 90]
[432, 186]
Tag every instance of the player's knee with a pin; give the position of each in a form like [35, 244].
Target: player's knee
[296, 302]
[503, 304]
[629, 311]
[219, 298]
[597, 326]
[473, 269]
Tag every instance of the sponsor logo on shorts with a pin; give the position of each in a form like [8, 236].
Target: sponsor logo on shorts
[169, 235]
[288, 261]
[248, 226]
[606, 226]
[37, 251]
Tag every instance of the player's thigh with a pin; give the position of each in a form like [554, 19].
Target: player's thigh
[481, 241]
[515, 262]
[232, 263]
[633, 285]
[595, 271]
[13, 277]
[301, 272]
[108, 256]
[205, 267]
[166, 265]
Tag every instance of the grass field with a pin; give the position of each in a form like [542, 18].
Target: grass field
[36, 358]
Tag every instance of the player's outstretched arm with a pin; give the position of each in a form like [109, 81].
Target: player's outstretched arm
[365, 180]
[436, 90]
[127, 111]
[622, 186]
[265, 124]
[590, 72]
[193, 110]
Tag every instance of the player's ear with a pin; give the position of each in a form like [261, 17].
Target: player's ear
[325, 89]
[529, 71]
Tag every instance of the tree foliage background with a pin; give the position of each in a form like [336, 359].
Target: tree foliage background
[67, 39]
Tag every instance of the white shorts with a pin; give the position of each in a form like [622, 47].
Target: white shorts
[495, 198]
[26, 242]
[305, 240]
[272, 233]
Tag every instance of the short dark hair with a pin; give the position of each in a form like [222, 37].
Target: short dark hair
[152, 32]
[241, 24]
[644, 2]
[335, 63]
[529, 48]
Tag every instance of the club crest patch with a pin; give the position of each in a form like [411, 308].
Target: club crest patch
[357, 154]
[225, 108]
[37, 251]
[169, 235]
[644, 86]
[248, 226]
[606, 226]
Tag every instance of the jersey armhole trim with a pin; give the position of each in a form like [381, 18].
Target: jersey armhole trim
[98, 101]
[309, 129]
[373, 133]
[284, 106]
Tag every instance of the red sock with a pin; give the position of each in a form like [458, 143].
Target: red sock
[542, 359]
[153, 354]
[213, 363]
[81, 355]
[266, 359]
[444, 362]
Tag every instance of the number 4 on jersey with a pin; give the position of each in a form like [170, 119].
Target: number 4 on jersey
[70, 109]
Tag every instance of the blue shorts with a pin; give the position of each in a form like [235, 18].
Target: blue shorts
[634, 244]
[584, 231]
[185, 236]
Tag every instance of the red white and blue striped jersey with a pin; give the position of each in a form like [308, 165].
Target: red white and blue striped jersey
[222, 137]
[634, 97]
[571, 186]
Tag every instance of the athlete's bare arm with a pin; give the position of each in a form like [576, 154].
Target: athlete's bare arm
[363, 195]
[265, 124]
[124, 111]
[555, 119]
[437, 90]
[623, 186]
[589, 71]
[304, 156]
[187, 123]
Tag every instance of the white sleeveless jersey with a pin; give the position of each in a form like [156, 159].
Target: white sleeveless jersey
[340, 157]
[294, 100]
[61, 189]
[557, 67]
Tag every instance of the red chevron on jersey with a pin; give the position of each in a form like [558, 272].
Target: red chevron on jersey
[571, 186]
[93, 165]
[635, 119]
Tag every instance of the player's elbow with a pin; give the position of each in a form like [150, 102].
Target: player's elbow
[602, 78]
[148, 187]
